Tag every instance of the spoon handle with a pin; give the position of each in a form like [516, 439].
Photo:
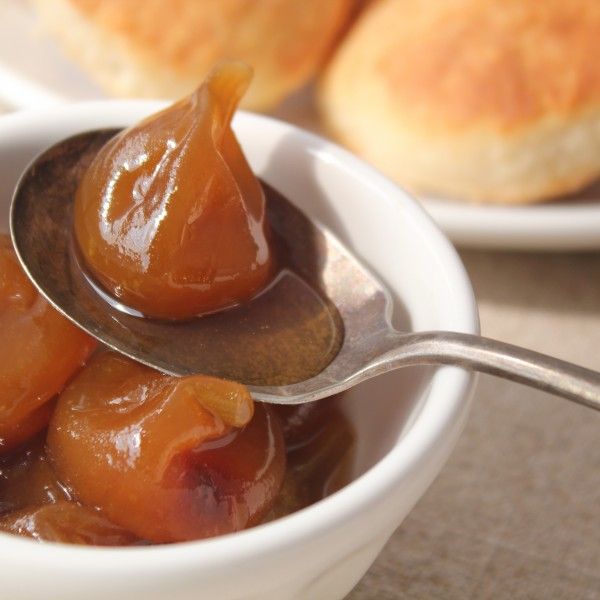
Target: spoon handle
[482, 354]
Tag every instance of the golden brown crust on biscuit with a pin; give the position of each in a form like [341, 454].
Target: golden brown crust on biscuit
[484, 100]
[508, 61]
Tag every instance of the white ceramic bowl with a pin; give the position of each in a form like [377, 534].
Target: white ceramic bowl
[407, 422]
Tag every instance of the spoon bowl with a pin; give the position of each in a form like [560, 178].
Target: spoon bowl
[286, 334]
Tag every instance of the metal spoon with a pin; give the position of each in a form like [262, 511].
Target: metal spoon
[41, 226]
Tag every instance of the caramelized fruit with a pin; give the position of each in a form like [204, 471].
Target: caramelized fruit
[39, 351]
[66, 522]
[142, 447]
[27, 478]
[169, 217]
[34, 503]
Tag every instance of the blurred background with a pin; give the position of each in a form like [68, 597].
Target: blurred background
[489, 113]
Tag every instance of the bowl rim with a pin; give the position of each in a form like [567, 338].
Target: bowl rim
[444, 405]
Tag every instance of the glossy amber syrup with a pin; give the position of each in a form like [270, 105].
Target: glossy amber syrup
[169, 217]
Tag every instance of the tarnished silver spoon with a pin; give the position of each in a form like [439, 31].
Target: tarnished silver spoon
[257, 346]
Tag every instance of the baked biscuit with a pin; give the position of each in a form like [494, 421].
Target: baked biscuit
[473, 99]
[154, 48]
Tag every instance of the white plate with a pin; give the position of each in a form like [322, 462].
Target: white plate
[570, 225]
[33, 73]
